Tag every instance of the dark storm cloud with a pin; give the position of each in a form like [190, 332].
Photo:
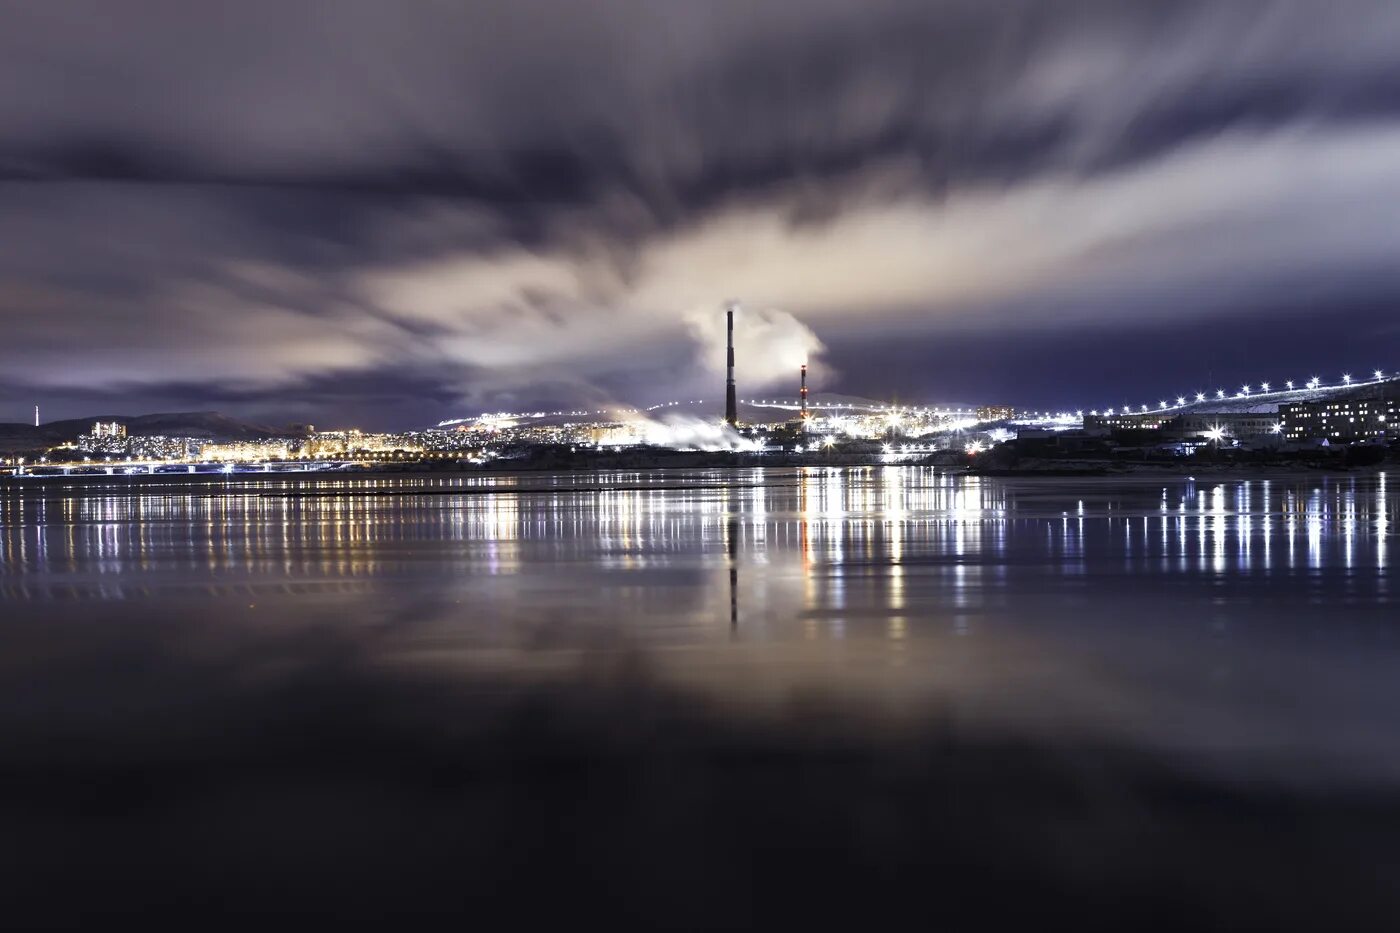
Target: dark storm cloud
[562, 103]
[508, 200]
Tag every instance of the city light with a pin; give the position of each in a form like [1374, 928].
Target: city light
[505, 435]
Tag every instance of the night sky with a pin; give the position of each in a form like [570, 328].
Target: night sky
[389, 213]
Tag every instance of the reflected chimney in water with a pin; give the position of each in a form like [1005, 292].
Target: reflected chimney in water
[732, 548]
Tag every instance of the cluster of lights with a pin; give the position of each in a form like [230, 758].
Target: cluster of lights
[657, 407]
[490, 416]
[891, 418]
[906, 411]
[896, 416]
[890, 449]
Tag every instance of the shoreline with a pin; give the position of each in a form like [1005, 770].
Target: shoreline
[1097, 471]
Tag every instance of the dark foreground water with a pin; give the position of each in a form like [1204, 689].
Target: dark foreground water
[703, 700]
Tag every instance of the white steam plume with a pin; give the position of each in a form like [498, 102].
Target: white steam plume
[686, 432]
[769, 345]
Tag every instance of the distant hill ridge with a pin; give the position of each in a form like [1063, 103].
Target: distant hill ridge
[213, 425]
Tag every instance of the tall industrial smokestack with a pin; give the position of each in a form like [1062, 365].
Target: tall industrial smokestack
[731, 404]
[804, 391]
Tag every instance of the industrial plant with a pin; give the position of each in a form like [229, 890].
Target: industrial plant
[1311, 419]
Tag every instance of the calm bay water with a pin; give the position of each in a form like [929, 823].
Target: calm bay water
[306, 674]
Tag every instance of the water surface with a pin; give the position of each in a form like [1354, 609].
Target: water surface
[541, 673]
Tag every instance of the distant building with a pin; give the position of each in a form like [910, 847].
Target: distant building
[246, 451]
[616, 435]
[1150, 421]
[1243, 424]
[106, 437]
[995, 413]
[1232, 424]
[1342, 420]
[346, 443]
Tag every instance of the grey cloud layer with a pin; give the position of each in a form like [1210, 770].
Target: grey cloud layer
[269, 192]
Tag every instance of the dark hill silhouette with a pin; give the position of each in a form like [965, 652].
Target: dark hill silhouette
[205, 424]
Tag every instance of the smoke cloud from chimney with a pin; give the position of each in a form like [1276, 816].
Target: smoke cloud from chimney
[769, 345]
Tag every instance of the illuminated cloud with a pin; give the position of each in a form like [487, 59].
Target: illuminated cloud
[455, 205]
[773, 344]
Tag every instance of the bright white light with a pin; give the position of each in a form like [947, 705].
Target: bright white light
[1109, 412]
[1263, 387]
[1314, 382]
[1180, 400]
[1346, 379]
[1244, 390]
[1161, 404]
[1219, 393]
[1277, 428]
[1216, 433]
[1144, 408]
[1379, 375]
[1200, 396]
[974, 448]
[1289, 383]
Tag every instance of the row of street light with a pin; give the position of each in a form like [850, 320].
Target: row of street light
[1245, 391]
